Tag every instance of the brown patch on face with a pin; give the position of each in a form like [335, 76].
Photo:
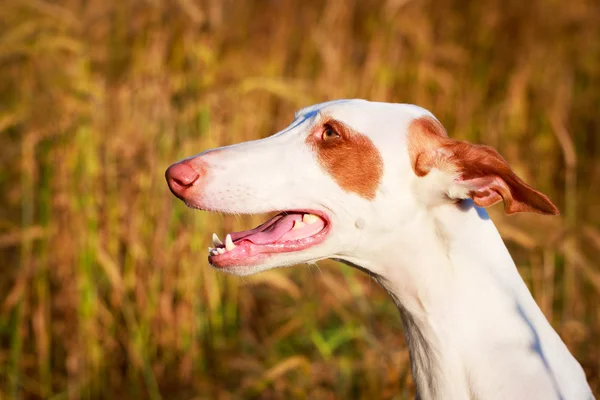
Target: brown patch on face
[479, 167]
[351, 159]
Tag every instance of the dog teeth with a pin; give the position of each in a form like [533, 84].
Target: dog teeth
[309, 219]
[219, 247]
[298, 225]
[229, 243]
[216, 241]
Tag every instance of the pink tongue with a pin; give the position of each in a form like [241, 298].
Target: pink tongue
[279, 227]
[272, 233]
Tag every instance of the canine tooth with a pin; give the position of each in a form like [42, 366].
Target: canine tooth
[221, 250]
[229, 243]
[214, 252]
[309, 218]
[217, 242]
[298, 225]
[210, 249]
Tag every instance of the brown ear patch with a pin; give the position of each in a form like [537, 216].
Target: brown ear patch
[425, 135]
[483, 168]
[479, 168]
[352, 160]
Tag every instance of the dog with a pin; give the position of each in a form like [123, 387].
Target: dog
[382, 187]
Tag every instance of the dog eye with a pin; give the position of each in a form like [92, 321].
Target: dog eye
[329, 133]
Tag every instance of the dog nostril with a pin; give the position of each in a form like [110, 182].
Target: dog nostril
[181, 176]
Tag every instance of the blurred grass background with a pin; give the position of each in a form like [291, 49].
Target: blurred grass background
[105, 291]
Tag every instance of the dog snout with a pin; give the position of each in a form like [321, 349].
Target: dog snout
[181, 177]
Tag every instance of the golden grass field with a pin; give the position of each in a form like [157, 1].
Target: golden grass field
[105, 291]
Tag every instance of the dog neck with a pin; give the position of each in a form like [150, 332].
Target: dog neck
[470, 322]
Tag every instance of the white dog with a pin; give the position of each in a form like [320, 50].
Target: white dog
[382, 187]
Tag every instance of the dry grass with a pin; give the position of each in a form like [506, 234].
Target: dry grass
[105, 291]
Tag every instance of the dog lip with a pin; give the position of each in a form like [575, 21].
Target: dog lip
[249, 254]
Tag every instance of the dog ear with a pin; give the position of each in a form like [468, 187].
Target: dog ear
[478, 172]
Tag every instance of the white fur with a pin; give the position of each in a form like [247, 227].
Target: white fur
[472, 327]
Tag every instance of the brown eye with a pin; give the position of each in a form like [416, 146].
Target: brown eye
[329, 133]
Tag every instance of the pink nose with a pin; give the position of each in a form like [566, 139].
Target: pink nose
[181, 177]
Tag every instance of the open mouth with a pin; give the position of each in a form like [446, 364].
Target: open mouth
[289, 231]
